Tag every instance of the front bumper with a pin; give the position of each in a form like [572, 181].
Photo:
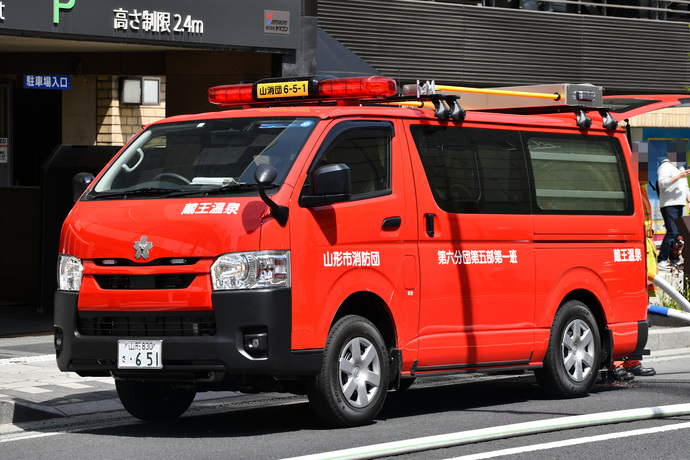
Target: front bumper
[239, 316]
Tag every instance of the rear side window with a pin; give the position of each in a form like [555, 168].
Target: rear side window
[578, 174]
[474, 170]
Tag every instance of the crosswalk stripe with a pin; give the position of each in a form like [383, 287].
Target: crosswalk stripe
[27, 359]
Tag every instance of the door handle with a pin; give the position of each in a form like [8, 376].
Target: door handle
[430, 224]
[391, 223]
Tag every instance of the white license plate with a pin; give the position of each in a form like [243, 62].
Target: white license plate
[140, 354]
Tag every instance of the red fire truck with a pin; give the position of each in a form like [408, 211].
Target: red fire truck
[340, 238]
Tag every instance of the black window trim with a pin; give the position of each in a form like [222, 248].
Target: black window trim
[523, 136]
[335, 133]
[621, 162]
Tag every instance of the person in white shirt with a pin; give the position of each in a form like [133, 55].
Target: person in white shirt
[673, 195]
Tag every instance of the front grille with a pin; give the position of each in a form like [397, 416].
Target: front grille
[164, 281]
[147, 324]
[156, 262]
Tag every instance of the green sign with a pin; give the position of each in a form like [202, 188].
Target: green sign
[62, 6]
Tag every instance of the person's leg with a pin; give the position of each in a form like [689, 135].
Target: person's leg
[618, 372]
[635, 367]
[665, 247]
[674, 232]
[670, 214]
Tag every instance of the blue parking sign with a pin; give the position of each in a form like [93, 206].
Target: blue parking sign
[59, 82]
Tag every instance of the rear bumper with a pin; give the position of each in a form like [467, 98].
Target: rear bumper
[239, 315]
[629, 340]
[642, 337]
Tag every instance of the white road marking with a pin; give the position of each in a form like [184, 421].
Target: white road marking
[500, 432]
[574, 442]
[27, 359]
[32, 390]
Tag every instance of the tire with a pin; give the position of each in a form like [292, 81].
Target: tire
[351, 387]
[153, 401]
[573, 356]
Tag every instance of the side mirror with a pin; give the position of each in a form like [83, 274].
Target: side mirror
[332, 184]
[80, 183]
[265, 175]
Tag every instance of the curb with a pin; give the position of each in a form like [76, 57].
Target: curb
[668, 338]
[17, 412]
[13, 412]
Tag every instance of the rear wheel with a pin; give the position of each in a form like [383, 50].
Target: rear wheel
[573, 356]
[351, 387]
[153, 401]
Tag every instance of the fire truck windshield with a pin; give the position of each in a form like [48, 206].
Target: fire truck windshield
[203, 156]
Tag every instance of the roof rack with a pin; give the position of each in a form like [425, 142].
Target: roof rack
[445, 99]
[566, 97]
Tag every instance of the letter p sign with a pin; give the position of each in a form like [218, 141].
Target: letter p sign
[62, 6]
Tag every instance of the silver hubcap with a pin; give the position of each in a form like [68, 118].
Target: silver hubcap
[577, 349]
[360, 372]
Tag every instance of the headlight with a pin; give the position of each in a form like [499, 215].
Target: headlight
[70, 271]
[251, 270]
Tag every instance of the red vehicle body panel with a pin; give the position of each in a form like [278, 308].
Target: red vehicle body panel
[444, 315]
[623, 107]
[176, 232]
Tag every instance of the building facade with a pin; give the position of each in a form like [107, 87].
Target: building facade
[67, 61]
[91, 73]
[626, 46]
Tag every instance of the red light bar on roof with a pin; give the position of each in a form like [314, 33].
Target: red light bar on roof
[230, 94]
[356, 88]
[307, 88]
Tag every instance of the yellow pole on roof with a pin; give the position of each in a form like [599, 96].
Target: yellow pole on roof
[499, 92]
[413, 104]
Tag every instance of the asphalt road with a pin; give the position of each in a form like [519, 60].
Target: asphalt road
[279, 426]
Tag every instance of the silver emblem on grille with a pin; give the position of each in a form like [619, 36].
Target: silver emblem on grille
[142, 246]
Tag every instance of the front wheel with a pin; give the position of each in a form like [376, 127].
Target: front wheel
[153, 401]
[351, 387]
[573, 356]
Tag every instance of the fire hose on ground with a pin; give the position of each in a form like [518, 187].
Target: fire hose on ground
[675, 295]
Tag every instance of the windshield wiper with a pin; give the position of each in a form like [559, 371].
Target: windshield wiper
[146, 191]
[233, 188]
[174, 192]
